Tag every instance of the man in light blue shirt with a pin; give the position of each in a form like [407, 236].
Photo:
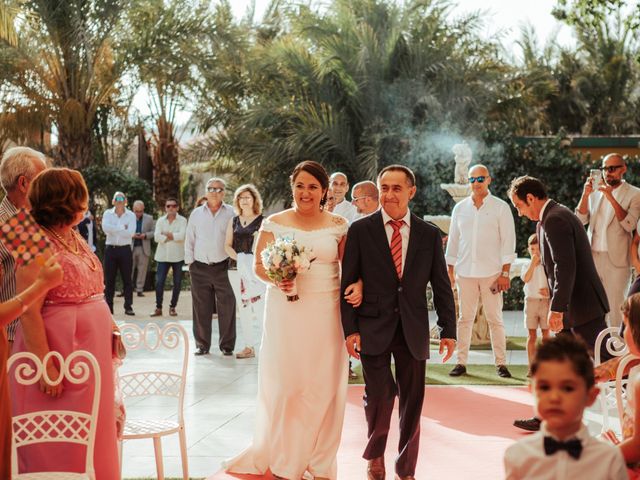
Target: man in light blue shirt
[208, 263]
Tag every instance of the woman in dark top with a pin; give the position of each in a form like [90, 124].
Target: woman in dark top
[241, 232]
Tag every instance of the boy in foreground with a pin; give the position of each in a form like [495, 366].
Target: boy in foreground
[564, 385]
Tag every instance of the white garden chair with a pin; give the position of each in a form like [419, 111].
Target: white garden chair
[154, 383]
[56, 426]
[615, 345]
[621, 387]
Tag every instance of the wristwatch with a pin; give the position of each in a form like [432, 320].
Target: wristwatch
[505, 274]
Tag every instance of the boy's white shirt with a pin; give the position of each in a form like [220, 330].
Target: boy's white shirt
[526, 459]
[538, 280]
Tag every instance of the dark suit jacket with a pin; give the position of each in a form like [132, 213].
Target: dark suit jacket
[83, 229]
[388, 300]
[574, 283]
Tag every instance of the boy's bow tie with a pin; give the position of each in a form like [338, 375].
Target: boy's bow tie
[573, 447]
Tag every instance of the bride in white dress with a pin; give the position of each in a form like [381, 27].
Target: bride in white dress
[302, 375]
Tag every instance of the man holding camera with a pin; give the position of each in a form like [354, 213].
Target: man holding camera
[611, 207]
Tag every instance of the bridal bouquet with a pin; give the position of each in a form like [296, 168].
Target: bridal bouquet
[283, 259]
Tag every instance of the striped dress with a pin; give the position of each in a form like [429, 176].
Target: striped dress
[7, 265]
[7, 291]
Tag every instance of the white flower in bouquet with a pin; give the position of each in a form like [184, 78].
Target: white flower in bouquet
[283, 259]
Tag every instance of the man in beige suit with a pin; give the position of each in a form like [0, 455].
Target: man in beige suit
[612, 212]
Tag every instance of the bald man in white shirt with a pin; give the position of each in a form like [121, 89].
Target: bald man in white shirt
[611, 209]
[365, 197]
[480, 250]
[339, 185]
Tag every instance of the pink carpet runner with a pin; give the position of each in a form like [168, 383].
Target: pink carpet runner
[465, 431]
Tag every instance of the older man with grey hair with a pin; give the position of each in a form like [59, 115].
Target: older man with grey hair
[20, 165]
[208, 263]
[145, 227]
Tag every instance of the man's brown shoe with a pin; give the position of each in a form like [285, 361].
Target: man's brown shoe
[157, 313]
[172, 312]
[375, 469]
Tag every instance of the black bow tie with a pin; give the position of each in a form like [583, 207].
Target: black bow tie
[573, 447]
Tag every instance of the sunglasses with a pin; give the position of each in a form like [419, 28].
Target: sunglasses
[479, 179]
[611, 168]
[119, 199]
[215, 190]
[171, 205]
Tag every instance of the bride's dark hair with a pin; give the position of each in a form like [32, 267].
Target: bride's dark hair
[317, 171]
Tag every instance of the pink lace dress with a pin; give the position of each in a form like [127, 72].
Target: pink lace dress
[76, 317]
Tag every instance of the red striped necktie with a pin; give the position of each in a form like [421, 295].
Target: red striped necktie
[396, 245]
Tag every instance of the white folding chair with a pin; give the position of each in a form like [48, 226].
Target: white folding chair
[615, 345]
[154, 383]
[56, 426]
[621, 386]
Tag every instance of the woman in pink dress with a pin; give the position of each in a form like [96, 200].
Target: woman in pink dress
[73, 316]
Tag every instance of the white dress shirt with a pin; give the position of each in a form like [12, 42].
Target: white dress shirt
[119, 229]
[404, 231]
[538, 280]
[481, 240]
[527, 460]
[601, 220]
[206, 235]
[170, 250]
[346, 210]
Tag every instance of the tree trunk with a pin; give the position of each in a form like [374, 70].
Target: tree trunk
[74, 149]
[166, 163]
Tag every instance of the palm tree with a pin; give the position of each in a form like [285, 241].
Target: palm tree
[352, 85]
[608, 49]
[60, 64]
[163, 40]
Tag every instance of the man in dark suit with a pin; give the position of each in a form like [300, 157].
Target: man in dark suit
[396, 255]
[578, 299]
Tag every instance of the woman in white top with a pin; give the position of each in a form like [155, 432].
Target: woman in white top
[170, 232]
[239, 243]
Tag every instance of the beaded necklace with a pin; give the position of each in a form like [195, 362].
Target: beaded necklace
[84, 256]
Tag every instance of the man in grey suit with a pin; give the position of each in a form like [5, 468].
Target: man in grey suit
[578, 299]
[141, 243]
[611, 208]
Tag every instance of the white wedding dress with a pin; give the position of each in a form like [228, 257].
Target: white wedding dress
[302, 374]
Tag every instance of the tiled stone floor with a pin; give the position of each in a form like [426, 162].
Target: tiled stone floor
[220, 398]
